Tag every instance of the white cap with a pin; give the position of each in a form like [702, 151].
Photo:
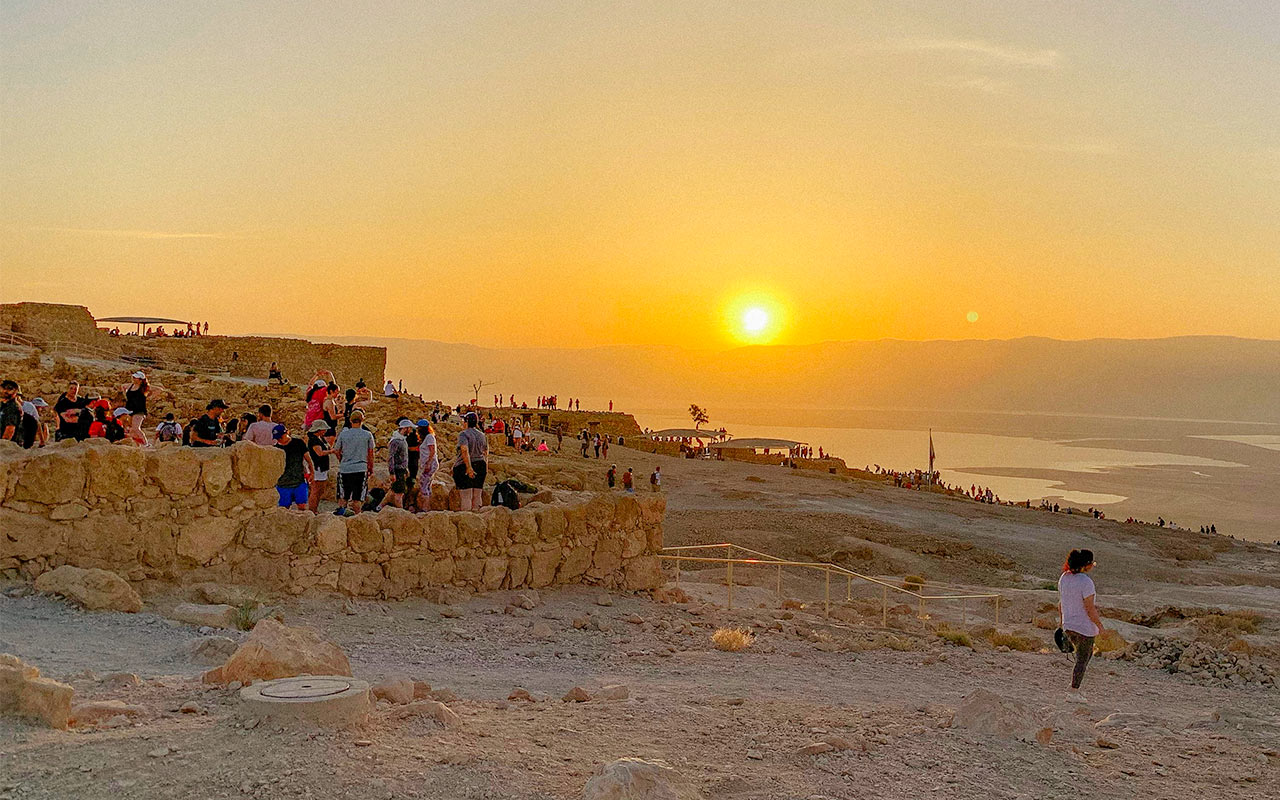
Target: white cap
[139, 374]
[120, 412]
[405, 423]
[39, 403]
[318, 383]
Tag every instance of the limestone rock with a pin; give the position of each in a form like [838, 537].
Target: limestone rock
[52, 477]
[638, 779]
[986, 712]
[214, 616]
[274, 650]
[397, 689]
[24, 694]
[614, 691]
[644, 572]
[256, 467]
[94, 589]
[444, 716]
[576, 695]
[176, 469]
[208, 651]
[96, 711]
[203, 538]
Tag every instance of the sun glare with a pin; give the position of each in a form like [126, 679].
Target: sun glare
[755, 320]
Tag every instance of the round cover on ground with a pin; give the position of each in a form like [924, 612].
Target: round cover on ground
[320, 700]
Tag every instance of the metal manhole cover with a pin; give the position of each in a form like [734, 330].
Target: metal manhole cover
[306, 688]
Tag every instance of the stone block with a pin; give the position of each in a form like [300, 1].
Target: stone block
[642, 573]
[257, 467]
[215, 470]
[175, 469]
[115, 471]
[441, 531]
[201, 540]
[471, 528]
[280, 530]
[551, 524]
[360, 579]
[51, 476]
[495, 572]
[542, 568]
[406, 528]
[329, 533]
[94, 589]
[363, 533]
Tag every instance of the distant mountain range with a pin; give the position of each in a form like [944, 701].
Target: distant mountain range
[1204, 377]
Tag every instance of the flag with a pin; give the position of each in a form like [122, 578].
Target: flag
[931, 455]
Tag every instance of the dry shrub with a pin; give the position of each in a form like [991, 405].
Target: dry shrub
[1230, 622]
[1240, 646]
[954, 636]
[1013, 641]
[913, 582]
[1109, 642]
[732, 640]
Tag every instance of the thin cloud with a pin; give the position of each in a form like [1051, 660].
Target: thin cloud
[977, 83]
[1080, 147]
[995, 53]
[134, 234]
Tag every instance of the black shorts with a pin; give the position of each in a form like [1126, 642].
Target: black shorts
[399, 482]
[461, 480]
[351, 486]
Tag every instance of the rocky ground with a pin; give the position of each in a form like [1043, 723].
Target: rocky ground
[818, 706]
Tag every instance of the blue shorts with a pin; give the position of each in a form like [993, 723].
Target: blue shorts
[292, 495]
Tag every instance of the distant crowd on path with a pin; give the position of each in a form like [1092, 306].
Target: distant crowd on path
[547, 402]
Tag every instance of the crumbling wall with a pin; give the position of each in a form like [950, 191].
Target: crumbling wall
[195, 514]
[298, 359]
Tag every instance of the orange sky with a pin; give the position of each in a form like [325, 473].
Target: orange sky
[579, 174]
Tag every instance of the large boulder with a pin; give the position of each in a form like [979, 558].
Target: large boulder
[94, 589]
[257, 467]
[274, 650]
[985, 712]
[638, 779]
[24, 694]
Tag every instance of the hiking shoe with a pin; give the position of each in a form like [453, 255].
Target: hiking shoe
[338, 512]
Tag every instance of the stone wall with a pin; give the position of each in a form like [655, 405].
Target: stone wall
[249, 356]
[192, 514]
[298, 359]
[50, 322]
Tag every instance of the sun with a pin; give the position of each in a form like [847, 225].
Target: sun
[755, 320]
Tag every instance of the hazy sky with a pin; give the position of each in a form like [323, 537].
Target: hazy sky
[594, 173]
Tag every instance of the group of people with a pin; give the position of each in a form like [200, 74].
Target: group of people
[629, 479]
[193, 329]
[76, 416]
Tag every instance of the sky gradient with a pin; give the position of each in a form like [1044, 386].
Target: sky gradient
[574, 174]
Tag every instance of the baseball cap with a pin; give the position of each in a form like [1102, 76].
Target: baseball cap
[277, 431]
[121, 412]
[39, 403]
[317, 426]
[216, 403]
[423, 423]
[404, 423]
[139, 374]
[318, 384]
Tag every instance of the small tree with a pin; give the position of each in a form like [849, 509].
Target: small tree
[476, 387]
[699, 415]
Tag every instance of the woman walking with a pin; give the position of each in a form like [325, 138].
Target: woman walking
[428, 462]
[1080, 620]
[135, 399]
[469, 466]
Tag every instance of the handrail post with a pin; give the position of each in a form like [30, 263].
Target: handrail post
[677, 570]
[728, 568]
[921, 606]
[848, 588]
[779, 584]
[964, 612]
[997, 611]
[884, 606]
[827, 608]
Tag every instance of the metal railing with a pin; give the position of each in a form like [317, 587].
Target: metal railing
[760, 559]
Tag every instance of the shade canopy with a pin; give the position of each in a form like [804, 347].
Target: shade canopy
[752, 444]
[144, 320]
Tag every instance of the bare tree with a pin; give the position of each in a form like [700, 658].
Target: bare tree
[699, 415]
[477, 386]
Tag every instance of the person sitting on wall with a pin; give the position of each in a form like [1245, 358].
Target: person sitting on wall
[274, 374]
[389, 390]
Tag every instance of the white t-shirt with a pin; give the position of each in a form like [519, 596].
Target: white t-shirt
[1073, 588]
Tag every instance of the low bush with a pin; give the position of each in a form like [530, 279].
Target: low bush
[732, 639]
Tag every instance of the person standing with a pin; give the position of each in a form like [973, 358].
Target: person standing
[354, 449]
[398, 462]
[1081, 623]
[261, 431]
[292, 484]
[206, 429]
[67, 408]
[655, 479]
[34, 431]
[135, 399]
[469, 466]
[610, 477]
[318, 449]
[169, 430]
[629, 481]
[595, 443]
[428, 462]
